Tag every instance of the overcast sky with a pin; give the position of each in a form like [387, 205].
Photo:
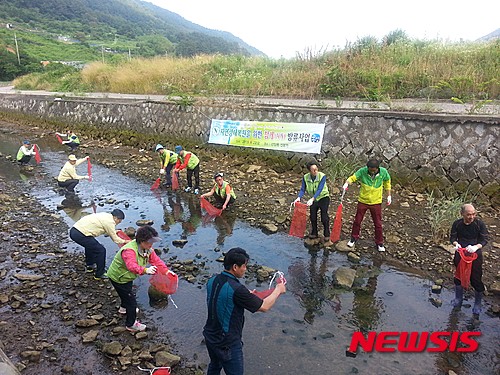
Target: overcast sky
[282, 28]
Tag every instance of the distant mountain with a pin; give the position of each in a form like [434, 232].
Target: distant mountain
[491, 36]
[99, 21]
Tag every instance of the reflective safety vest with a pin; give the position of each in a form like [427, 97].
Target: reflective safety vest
[73, 138]
[193, 160]
[20, 153]
[312, 186]
[172, 158]
[222, 190]
[118, 271]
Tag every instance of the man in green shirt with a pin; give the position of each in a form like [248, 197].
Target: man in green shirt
[373, 180]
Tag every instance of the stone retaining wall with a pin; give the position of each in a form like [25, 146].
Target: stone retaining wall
[423, 151]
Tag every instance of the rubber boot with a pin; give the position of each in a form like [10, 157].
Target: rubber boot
[459, 297]
[476, 310]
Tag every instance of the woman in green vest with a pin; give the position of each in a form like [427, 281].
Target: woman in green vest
[129, 263]
[314, 183]
[222, 192]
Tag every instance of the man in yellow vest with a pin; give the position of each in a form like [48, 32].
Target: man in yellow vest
[168, 159]
[73, 142]
[314, 183]
[373, 180]
[223, 193]
[189, 161]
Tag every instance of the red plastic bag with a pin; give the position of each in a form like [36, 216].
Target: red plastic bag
[299, 220]
[59, 138]
[123, 236]
[175, 181]
[156, 184]
[89, 169]
[211, 210]
[165, 281]
[464, 267]
[38, 158]
[280, 279]
[156, 370]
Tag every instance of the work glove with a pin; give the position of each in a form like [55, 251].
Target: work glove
[296, 200]
[151, 270]
[458, 246]
[87, 157]
[345, 186]
[310, 202]
[472, 248]
[86, 177]
[162, 171]
[389, 200]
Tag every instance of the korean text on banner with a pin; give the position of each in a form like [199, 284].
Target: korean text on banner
[286, 136]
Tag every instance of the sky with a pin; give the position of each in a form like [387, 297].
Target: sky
[284, 28]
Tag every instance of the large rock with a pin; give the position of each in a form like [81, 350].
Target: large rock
[112, 348]
[344, 277]
[28, 277]
[163, 358]
[342, 246]
[90, 336]
[269, 228]
[86, 323]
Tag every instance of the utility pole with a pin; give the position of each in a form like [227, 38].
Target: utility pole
[129, 55]
[17, 50]
[102, 53]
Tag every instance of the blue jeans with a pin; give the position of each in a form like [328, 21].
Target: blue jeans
[95, 253]
[230, 359]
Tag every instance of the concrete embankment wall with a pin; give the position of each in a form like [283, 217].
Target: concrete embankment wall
[438, 152]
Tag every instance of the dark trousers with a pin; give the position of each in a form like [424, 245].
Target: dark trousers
[168, 175]
[95, 253]
[322, 205]
[219, 201]
[25, 159]
[72, 145]
[196, 172]
[68, 184]
[476, 273]
[376, 212]
[230, 359]
[128, 301]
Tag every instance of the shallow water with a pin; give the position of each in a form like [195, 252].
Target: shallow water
[310, 327]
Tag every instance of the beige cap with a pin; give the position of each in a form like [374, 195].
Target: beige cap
[72, 157]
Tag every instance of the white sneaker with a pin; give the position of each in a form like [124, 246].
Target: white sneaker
[137, 327]
[123, 310]
[351, 242]
[196, 191]
[381, 248]
[188, 189]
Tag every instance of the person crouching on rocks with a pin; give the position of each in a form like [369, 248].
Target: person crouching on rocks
[26, 151]
[314, 183]
[68, 178]
[129, 263]
[222, 192]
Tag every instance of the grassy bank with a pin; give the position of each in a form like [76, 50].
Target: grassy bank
[368, 69]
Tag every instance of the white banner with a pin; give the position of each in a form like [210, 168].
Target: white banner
[285, 136]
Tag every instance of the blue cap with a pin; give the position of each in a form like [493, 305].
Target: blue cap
[26, 142]
[178, 149]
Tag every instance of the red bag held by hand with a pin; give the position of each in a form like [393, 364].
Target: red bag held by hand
[123, 236]
[38, 158]
[280, 279]
[165, 281]
[299, 220]
[464, 267]
[175, 181]
[211, 210]
[89, 169]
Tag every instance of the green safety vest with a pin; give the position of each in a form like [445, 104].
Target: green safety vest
[74, 138]
[222, 190]
[193, 160]
[118, 271]
[20, 154]
[312, 186]
[171, 160]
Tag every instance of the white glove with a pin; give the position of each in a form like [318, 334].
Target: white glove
[389, 200]
[86, 177]
[151, 270]
[345, 186]
[87, 157]
[458, 246]
[310, 202]
[297, 200]
[162, 171]
[472, 248]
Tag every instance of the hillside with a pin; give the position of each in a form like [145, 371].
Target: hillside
[110, 30]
